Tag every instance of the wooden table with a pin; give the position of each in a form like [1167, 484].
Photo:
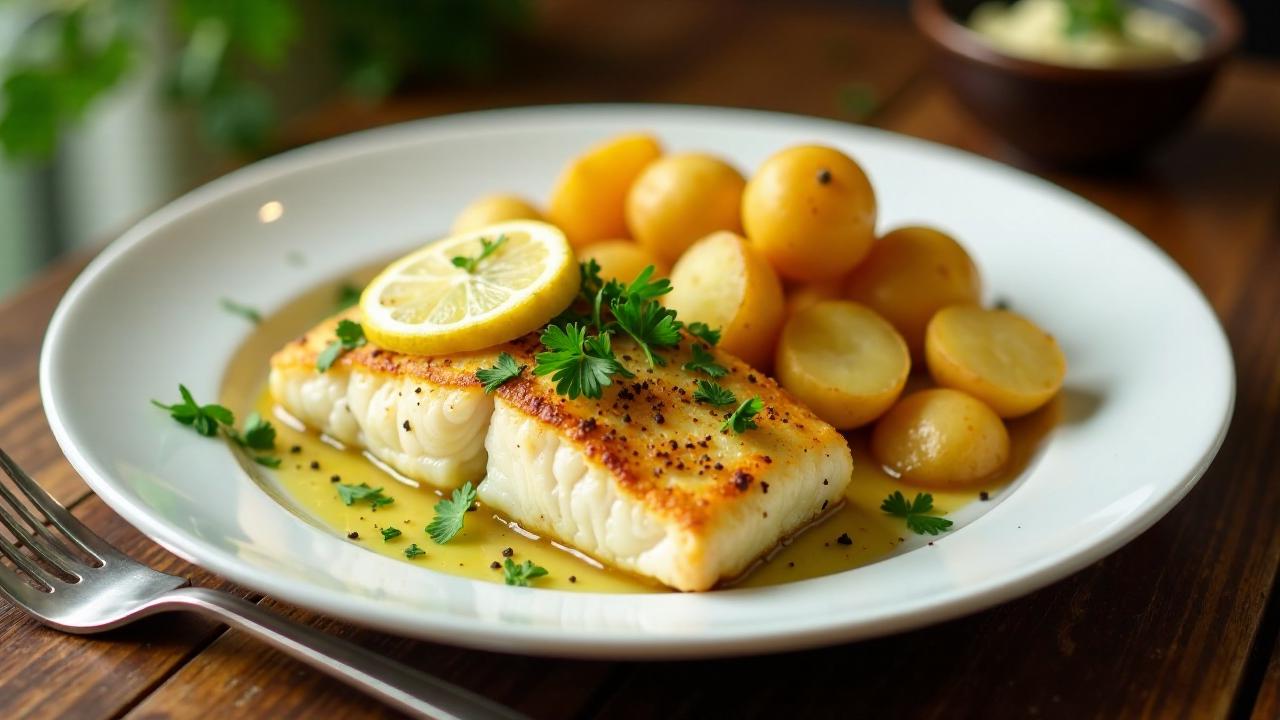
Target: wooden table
[1181, 622]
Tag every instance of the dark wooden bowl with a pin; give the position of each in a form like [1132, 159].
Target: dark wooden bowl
[1073, 116]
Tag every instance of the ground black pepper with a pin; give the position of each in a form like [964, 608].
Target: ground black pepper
[353, 535]
[844, 539]
[508, 552]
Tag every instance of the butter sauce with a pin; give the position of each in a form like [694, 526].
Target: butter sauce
[312, 466]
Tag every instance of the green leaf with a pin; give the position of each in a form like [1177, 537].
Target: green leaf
[258, 434]
[577, 364]
[267, 461]
[648, 323]
[243, 311]
[703, 332]
[204, 419]
[414, 551]
[521, 575]
[351, 494]
[704, 361]
[504, 370]
[487, 248]
[451, 514]
[348, 296]
[389, 532]
[914, 513]
[743, 418]
[713, 393]
[350, 336]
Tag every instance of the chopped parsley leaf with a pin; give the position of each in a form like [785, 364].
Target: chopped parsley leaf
[389, 533]
[915, 513]
[451, 513]
[414, 551]
[703, 332]
[520, 575]
[350, 336]
[204, 419]
[713, 393]
[504, 370]
[243, 311]
[578, 364]
[486, 249]
[743, 418]
[704, 361]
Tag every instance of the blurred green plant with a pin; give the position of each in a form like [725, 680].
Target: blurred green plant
[1102, 16]
[75, 51]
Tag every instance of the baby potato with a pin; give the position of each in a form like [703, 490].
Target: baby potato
[802, 295]
[843, 360]
[589, 200]
[811, 211]
[996, 356]
[912, 273]
[723, 281]
[680, 199]
[622, 259]
[492, 209]
[941, 438]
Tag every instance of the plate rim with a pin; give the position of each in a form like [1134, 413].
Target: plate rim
[576, 642]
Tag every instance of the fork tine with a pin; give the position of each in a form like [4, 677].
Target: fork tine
[75, 531]
[32, 570]
[20, 593]
[42, 541]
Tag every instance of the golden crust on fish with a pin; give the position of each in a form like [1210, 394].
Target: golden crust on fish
[643, 479]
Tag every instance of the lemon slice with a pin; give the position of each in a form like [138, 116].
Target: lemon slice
[424, 304]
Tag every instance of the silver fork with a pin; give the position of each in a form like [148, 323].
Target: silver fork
[85, 597]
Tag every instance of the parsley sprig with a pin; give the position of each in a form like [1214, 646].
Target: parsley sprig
[703, 332]
[713, 393]
[578, 364]
[451, 513]
[521, 575]
[915, 513]
[351, 494]
[207, 420]
[204, 419]
[743, 418]
[487, 248]
[704, 361]
[350, 336]
[503, 370]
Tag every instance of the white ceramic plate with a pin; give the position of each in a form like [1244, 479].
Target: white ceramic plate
[1150, 386]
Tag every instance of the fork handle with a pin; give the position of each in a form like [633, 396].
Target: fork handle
[413, 692]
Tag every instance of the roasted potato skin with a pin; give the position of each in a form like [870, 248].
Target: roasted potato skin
[493, 209]
[680, 199]
[589, 199]
[941, 438]
[811, 211]
[910, 274]
[622, 259]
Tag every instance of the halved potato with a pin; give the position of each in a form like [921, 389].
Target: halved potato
[997, 356]
[589, 200]
[843, 360]
[493, 209]
[912, 273]
[941, 438]
[724, 282]
[622, 259]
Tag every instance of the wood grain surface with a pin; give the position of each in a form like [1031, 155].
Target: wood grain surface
[1182, 622]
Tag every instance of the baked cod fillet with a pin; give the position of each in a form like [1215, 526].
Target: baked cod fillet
[424, 417]
[642, 479]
